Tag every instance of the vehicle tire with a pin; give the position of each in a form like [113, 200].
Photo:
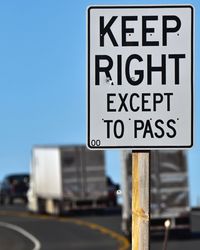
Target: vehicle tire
[57, 208]
[10, 200]
[25, 200]
[112, 203]
[2, 200]
[41, 206]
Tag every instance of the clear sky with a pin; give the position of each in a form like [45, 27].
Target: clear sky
[43, 86]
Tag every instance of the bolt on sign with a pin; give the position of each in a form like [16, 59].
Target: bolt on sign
[140, 76]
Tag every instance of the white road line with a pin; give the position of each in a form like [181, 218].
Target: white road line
[26, 234]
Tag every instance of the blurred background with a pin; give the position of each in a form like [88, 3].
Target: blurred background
[54, 193]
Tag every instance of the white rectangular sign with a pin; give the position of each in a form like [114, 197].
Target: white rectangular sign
[140, 76]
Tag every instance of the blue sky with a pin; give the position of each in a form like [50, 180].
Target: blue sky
[42, 79]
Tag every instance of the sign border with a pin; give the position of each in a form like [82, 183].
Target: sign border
[88, 74]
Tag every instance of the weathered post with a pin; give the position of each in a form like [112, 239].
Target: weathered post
[140, 200]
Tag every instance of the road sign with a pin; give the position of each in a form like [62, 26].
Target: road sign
[140, 76]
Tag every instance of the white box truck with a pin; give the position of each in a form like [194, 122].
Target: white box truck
[65, 178]
[169, 191]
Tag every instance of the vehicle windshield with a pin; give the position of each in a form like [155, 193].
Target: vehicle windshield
[18, 178]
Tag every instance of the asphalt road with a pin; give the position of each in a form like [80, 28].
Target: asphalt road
[84, 232]
[78, 232]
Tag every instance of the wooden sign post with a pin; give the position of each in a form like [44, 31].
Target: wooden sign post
[140, 200]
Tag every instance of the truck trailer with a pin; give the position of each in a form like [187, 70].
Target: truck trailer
[65, 178]
[169, 192]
